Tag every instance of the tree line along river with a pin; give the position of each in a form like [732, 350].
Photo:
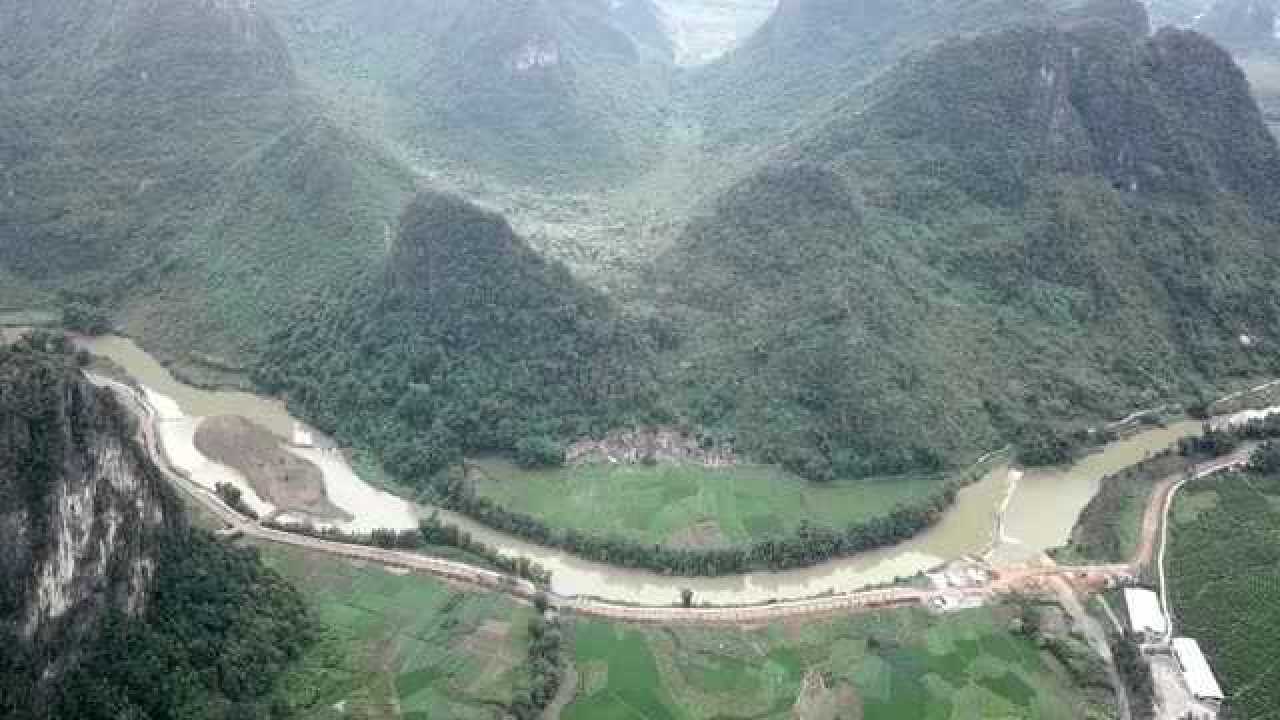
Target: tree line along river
[1038, 507]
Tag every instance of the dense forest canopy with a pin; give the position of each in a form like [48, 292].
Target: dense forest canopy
[466, 340]
[1044, 223]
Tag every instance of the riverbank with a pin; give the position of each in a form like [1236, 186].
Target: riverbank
[966, 529]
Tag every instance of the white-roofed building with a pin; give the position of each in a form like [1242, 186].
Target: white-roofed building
[1146, 619]
[302, 436]
[1197, 673]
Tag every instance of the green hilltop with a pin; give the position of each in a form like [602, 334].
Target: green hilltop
[465, 340]
[1040, 224]
[564, 92]
[812, 52]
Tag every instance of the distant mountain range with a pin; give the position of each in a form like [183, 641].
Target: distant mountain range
[973, 215]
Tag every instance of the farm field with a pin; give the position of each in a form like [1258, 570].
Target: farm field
[402, 646]
[690, 506]
[1224, 575]
[878, 667]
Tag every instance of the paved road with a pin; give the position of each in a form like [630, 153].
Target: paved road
[1164, 501]
[1019, 579]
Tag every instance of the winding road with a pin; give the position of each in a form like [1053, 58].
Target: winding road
[1047, 578]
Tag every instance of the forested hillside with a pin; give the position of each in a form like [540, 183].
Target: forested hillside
[813, 52]
[162, 159]
[1042, 224]
[110, 605]
[465, 340]
[559, 91]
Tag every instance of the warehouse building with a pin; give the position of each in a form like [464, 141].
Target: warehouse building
[1195, 670]
[1146, 619]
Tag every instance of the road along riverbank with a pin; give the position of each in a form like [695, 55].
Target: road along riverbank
[969, 529]
[151, 423]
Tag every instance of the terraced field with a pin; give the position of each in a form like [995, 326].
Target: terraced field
[881, 667]
[403, 646]
[690, 506]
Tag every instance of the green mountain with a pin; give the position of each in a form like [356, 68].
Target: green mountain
[535, 91]
[812, 52]
[466, 340]
[104, 102]
[1038, 224]
[164, 158]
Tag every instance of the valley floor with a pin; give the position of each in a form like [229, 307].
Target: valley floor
[691, 505]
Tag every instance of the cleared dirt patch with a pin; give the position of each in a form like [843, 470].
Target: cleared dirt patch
[279, 477]
[702, 536]
[481, 644]
[822, 700]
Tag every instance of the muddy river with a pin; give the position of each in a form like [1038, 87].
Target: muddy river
[1039, 507]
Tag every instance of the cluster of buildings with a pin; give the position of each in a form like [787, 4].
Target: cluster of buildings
[1148, 621]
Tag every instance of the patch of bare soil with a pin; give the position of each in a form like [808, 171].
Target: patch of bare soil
[494, 663]
[820, 699]
[651, 445]
[279, 477]
[702, 536]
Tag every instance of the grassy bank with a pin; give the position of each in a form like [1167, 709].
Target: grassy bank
[1110, 526]
[690, 506]
[402, 646]
[878, 667]
[1224, 570]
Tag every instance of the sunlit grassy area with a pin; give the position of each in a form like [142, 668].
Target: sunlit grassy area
[690, 505]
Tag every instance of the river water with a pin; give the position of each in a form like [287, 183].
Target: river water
[1039, 507]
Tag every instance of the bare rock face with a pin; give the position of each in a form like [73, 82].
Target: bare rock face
[82, 509]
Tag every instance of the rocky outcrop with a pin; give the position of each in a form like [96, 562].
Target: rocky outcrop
[82, 509]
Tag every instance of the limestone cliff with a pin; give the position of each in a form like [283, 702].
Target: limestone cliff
[82, 509]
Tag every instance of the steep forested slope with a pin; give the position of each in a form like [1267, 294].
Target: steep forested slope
[465, 340]
[544, 90]
[165, 149]
[1043, 223]
[812, 52]
[110, 605]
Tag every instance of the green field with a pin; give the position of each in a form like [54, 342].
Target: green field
[402, 646]
[891, 666]
[690, 506]
[1224, 565]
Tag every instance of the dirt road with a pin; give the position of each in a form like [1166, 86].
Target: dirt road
[1097, 637]
[1153, 520]
[1234, 460]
